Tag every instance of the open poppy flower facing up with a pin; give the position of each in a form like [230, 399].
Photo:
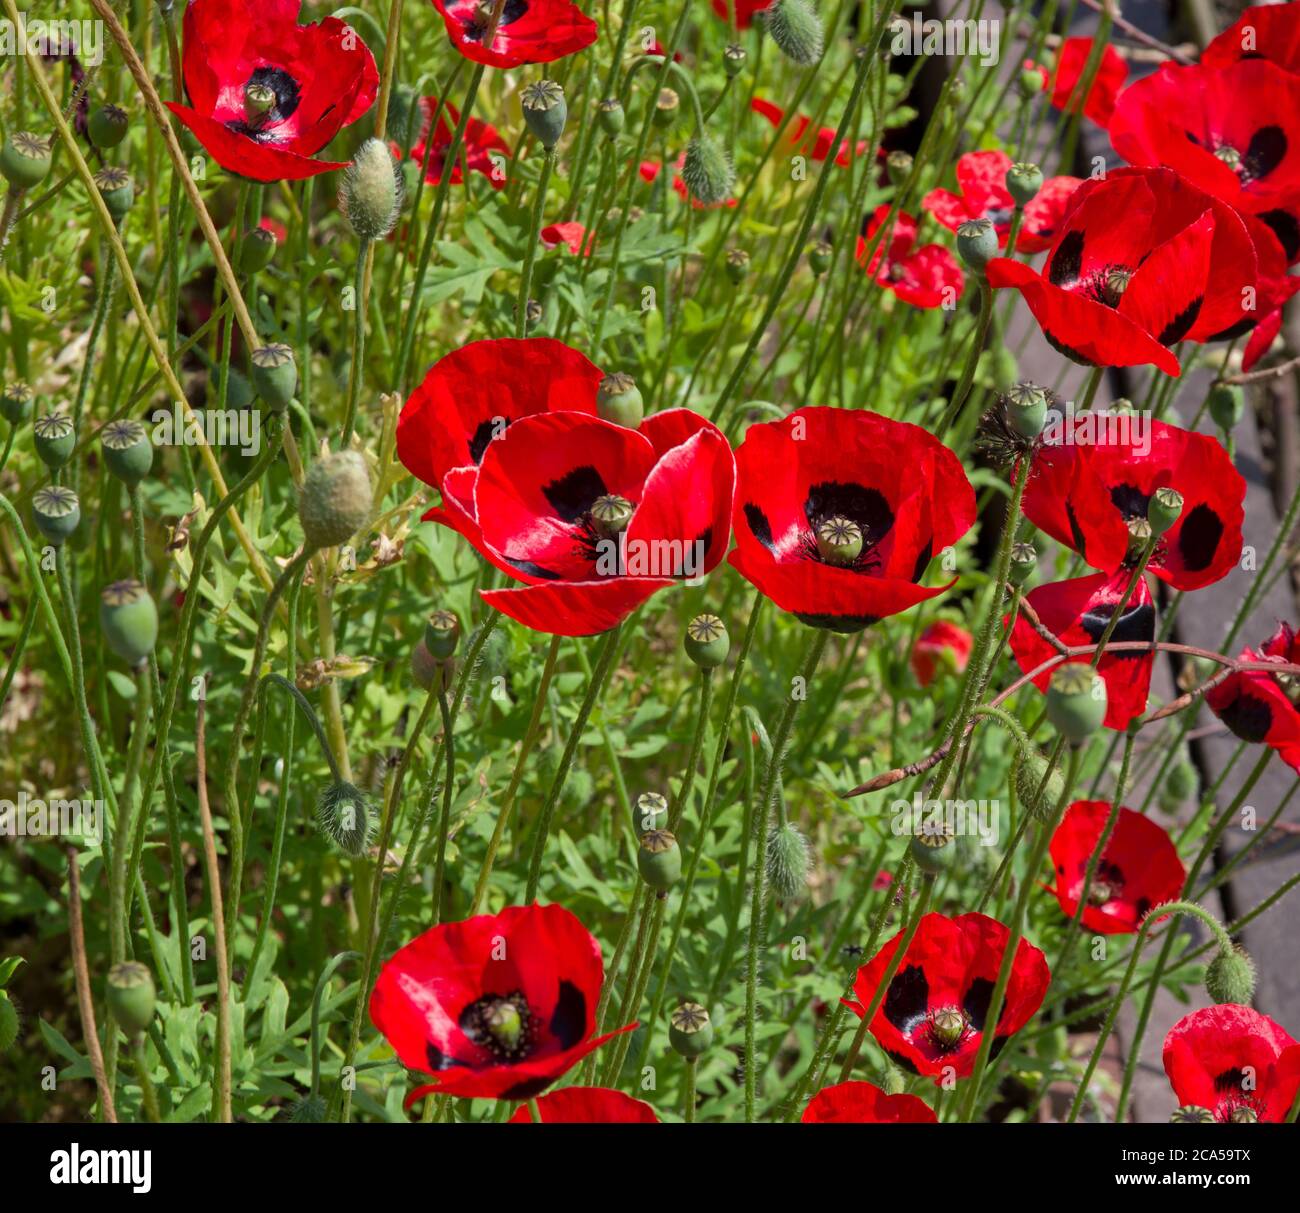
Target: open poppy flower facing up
[861, 1103]
[1235, 1062]
[942, 646]
[587, 1106]
[1088, 488]
[480, 142]
[839, 511]
[928, 276]
[496, 1007]
[1063, 80]
[933, 1016]
[1076, 612]
[572, 235]
[1139, 869]
[1261, 707]
[818, 147]
[1118, 292]
[529, 31]
[744, 10]
[1266, 31]
[265, 93]
[981, 179]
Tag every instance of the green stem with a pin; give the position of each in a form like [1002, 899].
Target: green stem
[530, 249]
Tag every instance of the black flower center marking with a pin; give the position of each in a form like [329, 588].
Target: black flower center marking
[287, 93]
[855, 505]
[574, 493]
[476, 27]
[1107, 885]
[1247, 717]
[1199, 536]
[1239, 1104]
[487, 430]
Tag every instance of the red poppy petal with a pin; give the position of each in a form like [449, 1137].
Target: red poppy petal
[587, 1105]
[865, 1104]
[238, 154]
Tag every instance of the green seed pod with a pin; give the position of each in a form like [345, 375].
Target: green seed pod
[1076, 702]
[309, 1110]
[1030, 82]
[16, 402]
[107, 126]
[56, 512]
[977, 242]
[610, 115]
[1024, 558]
[117, 190]
[690, 1030]
[733, 59]
[706, 642]
[129, 619]
[649, 813]
[256, 248]
[707, 171]
[131, 997]
[425, 667]
[788, 862]
[275, 375]
[820, 257]
[25, 160]
[933, 847]
[898, 166]
[127, 450]
[8, 1023]
[1180, 783]
[839, 540]
[1243, 1115]
[610, 515]
[545, 111]
[259, 101]
[370, 192]
[1164, 509]
[797, 29]
[1023, 182]
[1191, 1114]
[1026, 409]
[659, 860]
[618, 399]
[1226, 404]
[55, 439]
[334, 501]
[442, 634]
[1030, 770]
[344, 816]
[1230, 977]
[737, 265]
[667, 106]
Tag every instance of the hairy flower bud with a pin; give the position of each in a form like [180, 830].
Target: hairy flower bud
[797, 29]
[335, 498]
[370, 192]
[788, 862]
[1230, 977]
[344, 816]
[707, 171]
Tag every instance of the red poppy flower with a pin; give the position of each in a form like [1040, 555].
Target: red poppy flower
[572, 235]
[981, 177]
[1138, 870]
[821, 143]
[928, 276]
[529, 31]
[1275, 287]
[1261, 707]
[650, 170]
[498, 1006]
[932, 1017]
[1088, 486]
[1267, 31]
[904, 492]
[478, 143]
[587, 1106]
[744, 10]
[1234, 1061]
[1077, 612]
[942, 646]
[1118, 292]
[860, 1103]
[1071, 60]
[321, 78]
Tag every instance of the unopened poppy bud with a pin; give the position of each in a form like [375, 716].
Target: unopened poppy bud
[545, 111]
[370, 192]
[442, 634]
[797, 29]
[1026, 409]
[707, 171]
[611, 116]
[425, 667]
[667, 104]
[1024, 558]
[610, 514]
[1031, 771]
[117, 190]
[1230, 977]
[1030, 82]
[107, 126]
[1180, 783]
[898, 166]
[334, 501]
[1164, 509]
[1023, 182]
[977, 242]
[129, 620]
[788, 862]
[1191, 1114]
[659, 860]
[737, 264]
[649, 813]
[1139, 536]
[25, 160]
[8, 1023]
[309, 1110]
[259, 101]
[839, 540]
[733, 59]
[690, 1030]
[1076, 702]
[256, 248]
[131, 997]
[618, 399]
[892, 1081]
[55, 439]
[532, 315]
[127, 450]
[1226, 405]
[707, 642]
[820, 256]
[933, 847]
[344, 816]
[275, 375]
[56, 512]
[16, 402]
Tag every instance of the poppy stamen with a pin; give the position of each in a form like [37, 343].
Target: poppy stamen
[947, 1028]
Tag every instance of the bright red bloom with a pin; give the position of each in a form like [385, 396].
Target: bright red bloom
[1267, 31]
[860, 1103]
[928, 276]
[572, 235]
[479, 142]
[1071, 60]
[322, 76]
[819, 145]
[650, 170]
[1275, 286]
[1234, 1061]
[744, 10]
[530, 31]
[1086, 488]
[1117, 293]
[1258, 706]
[981, 178]
[906, 492]
[942, 646]
[1077, 612]
[587, 1106]
[1138, 870]
[498, 1006]
[932, 1017]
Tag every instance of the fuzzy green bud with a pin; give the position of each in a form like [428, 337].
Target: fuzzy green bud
[56, 512]
[1038, 799]
[1076, 702]
[1226, 405]
[131, 997]
[129, 620]
[545, 111]
[707, 171]
[370, 192]
[618, 399]
[334, 501]
[309, 1110]
[1230, 977]
[127, 450]
[797, 29]
[788, 862]
[344, 816]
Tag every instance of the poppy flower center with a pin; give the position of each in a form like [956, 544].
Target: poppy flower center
[1107, 884]
[270, 96]
[848, 522]
[947, 1028]
[477, 26]
[501, 1024]
[610, 514]
[1229, 156]
[839, 540]
[1115, 284]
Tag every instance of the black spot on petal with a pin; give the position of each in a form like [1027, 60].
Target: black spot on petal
[908, 998]
[569, 1020]
[572, 495]
[1247, 717]
[1178, 327]
[1067, 260]
[1199, 536]
[487, 430]
[1266, 151]
[923, 558]
[976, 1002]
[759, 525]
[1286, 227]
